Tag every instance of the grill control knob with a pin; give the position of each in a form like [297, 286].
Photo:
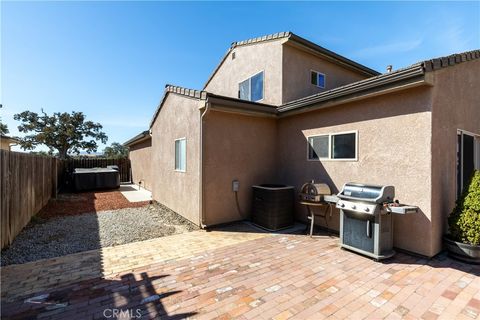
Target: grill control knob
[354, 206]
[342, 205]
[367, 209]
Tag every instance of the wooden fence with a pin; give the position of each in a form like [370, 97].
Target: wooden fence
[27, 182]
[123, 165]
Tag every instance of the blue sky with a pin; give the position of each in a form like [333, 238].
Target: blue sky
[111, 60]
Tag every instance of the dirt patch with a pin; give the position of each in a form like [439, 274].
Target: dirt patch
[69, 204]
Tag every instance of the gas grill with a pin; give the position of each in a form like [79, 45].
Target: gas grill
[366, 223]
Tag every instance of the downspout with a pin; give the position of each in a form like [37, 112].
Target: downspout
[202, 213]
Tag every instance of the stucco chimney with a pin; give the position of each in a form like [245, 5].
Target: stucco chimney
[389, 68]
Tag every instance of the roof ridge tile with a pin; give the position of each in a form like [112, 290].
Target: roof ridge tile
[450, 60]
[199, 94]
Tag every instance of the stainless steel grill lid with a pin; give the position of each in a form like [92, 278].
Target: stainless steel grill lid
[369, 193]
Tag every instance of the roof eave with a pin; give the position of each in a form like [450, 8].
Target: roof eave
[405, 79]
[11, 139]
[232, 105]
[145, 135]
[306, 45]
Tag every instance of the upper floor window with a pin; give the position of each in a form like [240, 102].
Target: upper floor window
[252, 88]
[338, 146]
[318, 79]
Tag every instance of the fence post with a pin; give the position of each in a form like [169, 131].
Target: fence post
[54, 178]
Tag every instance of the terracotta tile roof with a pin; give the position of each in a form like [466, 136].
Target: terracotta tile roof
[456, 58]
[269, 37]
[199, 94]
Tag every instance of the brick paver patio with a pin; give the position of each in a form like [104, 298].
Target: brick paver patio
[239, 274]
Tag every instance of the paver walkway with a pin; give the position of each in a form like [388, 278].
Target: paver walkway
[28, 278]
[134, 193]
[243, 275]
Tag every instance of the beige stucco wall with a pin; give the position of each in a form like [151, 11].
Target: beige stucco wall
[5, 144]
[393, 148]
[456, 105]
[235, 147]
[140, 155]
[250, 60]
[297, 67]
[178, 118]
[286, 69]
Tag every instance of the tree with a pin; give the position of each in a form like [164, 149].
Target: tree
[64, 132]
[116, 150]
[3, 127]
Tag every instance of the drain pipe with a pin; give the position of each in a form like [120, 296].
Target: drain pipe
[202, 213]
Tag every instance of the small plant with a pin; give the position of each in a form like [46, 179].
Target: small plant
[464, 221]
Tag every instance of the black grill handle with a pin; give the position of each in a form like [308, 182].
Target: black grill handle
[369, 229]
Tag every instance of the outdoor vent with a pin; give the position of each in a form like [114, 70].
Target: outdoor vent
[233, 56]
[389, 68]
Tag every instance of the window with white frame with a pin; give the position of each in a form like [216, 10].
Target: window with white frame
[335, 146]
[468, 158]
[318, 79]
[252, 88]
[181, 154]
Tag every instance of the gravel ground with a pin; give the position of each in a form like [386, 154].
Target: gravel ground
[58, 236]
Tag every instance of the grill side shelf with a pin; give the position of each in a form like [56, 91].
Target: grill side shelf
[402, 209]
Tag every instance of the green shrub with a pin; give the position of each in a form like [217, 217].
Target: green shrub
[464, 221]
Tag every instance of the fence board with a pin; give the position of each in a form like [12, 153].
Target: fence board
[26, 186]
[5, 185]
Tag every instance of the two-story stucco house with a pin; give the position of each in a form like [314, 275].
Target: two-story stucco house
[281, 109]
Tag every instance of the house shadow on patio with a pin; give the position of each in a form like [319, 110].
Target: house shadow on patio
[99, 284]
[99, 298]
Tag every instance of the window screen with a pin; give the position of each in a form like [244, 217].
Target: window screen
[257, 87]
[321, 80]
[318, 147]
[180, 154]
[343, 146]
[244, 92]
